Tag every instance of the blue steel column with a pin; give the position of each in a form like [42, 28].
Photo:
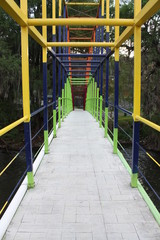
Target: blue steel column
[26, 98]
[135, 153]
[116, 87]
[59, 76]
[107, 87]
[45, 105]
[63, 70]
[54, 69]
[98, 37]
[101, 87]
[136, 96]
[116, 96]
[66, 84]
[28, 151]
[54, 89]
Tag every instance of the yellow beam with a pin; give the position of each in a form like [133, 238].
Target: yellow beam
[124, 36]
[137, 64]
[116, 29]
[35, 34]
[25, 65]
[53, 15]
[107, 13]
[10, 7]
[82, 3]
[147, 12]
[147, 122]
[12, 125]
[60, 8]
[102, 8]
[80, 44]
[80, 21]
[44, 30]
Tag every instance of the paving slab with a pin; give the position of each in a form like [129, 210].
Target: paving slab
[82, 191]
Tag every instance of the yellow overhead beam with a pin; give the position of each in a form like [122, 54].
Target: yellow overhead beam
[81, 4]
[80, 44]
[35, 34]
[80, 21]
[147, 12]
[10, 7]
[124, 36]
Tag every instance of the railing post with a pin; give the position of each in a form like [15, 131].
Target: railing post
[101, 67]
[92, 96]
[59, 69]
[63, 95]
[63, 70]
[137, 96]
[116, 84]
[45, 100]
[97, 94]
[107, 73]
[65, 89]
[26, 98]
[116, 96]
[54, 71]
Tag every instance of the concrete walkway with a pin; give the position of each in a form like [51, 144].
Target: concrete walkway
[82, 192]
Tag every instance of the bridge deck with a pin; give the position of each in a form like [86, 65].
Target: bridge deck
[82, 192]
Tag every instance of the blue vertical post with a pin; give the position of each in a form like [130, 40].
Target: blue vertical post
[54, 70]
[54, 88]
[66, 101]
[59, 75]
[97, 94]
[98, 70]
[107, 87]
[101, 86]
[116, 97]
[116, 84]
[28, 150]
[63, 70]
[135, 153]
[45, 105]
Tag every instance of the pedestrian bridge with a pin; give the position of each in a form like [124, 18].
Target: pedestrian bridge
[79, 184]
[82, 191]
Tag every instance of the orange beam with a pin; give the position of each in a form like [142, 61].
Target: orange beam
[80, 38]
[81, 29]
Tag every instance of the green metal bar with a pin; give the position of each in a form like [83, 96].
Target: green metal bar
[106, 122]
[62, 105]
[100, 120]
[46, 141]
[65, 90]
[59, 112]
[97, 104]
[54, 123]
[95, 91]
[93, 97]
[115, 140]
